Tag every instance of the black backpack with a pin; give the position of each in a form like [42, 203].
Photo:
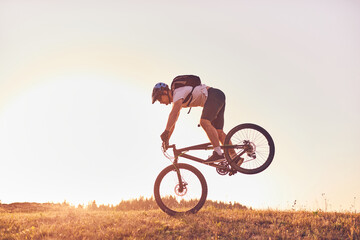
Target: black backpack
[186, 80]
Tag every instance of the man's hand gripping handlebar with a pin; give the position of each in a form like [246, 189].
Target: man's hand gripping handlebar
[165, 138]
[165, 145]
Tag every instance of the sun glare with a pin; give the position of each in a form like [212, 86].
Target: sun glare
[61, 138]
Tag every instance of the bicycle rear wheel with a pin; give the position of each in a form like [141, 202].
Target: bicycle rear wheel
[171, 198]
[257, 149]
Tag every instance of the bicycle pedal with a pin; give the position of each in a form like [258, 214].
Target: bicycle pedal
[232, 173]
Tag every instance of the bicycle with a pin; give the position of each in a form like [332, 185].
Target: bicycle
[181, 188]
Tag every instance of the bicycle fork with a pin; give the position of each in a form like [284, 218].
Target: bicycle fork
[182, 185]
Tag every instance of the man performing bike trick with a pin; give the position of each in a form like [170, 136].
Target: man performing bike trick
[188, 91]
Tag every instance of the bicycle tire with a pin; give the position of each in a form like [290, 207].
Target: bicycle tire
[161, 199]
[251, 132]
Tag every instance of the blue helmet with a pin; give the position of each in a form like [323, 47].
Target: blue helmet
[158, 90]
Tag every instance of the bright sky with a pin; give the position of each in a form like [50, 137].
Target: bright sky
[77, 123]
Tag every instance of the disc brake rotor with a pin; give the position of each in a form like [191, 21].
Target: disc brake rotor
[252, 150]
[181, 193]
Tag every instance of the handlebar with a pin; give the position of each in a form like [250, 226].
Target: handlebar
[165, 146]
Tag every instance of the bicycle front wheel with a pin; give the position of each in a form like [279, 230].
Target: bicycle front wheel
[175, 197]
[254, 145]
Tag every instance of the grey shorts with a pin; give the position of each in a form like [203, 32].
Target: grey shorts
[214, 108]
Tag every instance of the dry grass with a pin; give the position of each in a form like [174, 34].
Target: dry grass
[61, 221]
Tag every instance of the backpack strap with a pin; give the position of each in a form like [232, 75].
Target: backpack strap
[189, 110]
[189, 98]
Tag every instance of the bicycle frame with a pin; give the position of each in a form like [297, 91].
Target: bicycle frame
[206, 146]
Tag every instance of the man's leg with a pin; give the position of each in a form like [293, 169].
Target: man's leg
[211, 132]
[213, 107]
[221, 135]
[214, 139]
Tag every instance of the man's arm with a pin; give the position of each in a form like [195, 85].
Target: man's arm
[173, 116]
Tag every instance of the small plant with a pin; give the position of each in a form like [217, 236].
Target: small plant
[293, 206]
[354, 205]
[325, 202]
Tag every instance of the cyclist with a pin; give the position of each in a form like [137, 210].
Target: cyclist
[212, 118]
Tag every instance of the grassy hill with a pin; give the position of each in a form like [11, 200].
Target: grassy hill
[214, 221]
